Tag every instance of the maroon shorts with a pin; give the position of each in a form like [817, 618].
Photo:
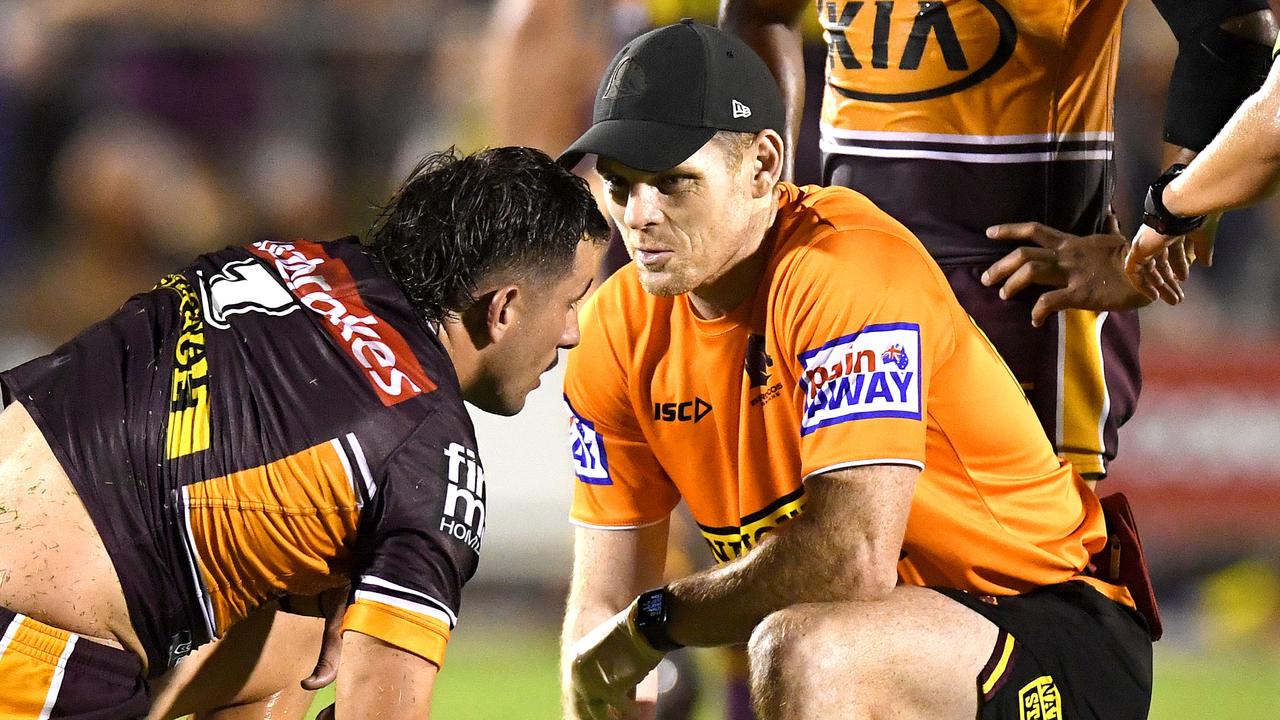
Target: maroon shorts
[50, 673]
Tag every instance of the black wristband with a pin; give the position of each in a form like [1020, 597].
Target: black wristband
[652, 609]
[1156, 216]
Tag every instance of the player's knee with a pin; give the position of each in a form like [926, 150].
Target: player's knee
[783, 650]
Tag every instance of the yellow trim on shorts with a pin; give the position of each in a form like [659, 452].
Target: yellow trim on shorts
[1001, 666]
[1083, 402]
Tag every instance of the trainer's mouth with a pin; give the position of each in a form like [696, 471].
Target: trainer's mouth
[652, 257]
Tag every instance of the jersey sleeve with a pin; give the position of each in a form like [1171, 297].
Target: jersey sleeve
[620, 483]
[865, 318]
[419, 539]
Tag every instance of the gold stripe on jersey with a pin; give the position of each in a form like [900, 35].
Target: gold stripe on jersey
[421, 635]
[729, 543]
[1083, 402]
[276, 528]
[188, 426]
[32, 664]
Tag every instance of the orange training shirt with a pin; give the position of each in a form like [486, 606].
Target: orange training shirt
[852, 352]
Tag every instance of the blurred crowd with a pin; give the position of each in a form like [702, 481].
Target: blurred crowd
[137, 133]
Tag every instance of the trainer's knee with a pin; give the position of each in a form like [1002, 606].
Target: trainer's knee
[784, 650]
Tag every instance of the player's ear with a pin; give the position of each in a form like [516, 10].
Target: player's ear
[766, 158]
[501, 312]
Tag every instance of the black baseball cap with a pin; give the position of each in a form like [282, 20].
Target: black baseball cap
[667, 93]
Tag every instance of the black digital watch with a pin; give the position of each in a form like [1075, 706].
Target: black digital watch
[652, 608]
[1156, 216]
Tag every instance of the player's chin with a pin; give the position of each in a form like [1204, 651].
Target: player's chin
[662, 284]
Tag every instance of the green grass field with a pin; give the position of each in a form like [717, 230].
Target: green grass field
[511, 674]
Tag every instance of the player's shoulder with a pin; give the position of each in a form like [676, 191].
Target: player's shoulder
[837, 229]
[836, 208]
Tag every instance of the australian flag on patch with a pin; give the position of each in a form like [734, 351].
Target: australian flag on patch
[895, 355]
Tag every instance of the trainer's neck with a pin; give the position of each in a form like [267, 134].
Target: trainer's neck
[736, 282]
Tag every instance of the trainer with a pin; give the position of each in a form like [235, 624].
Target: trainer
[897, 536]
[280, 419]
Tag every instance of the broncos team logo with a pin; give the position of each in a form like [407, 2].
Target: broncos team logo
[895, 355]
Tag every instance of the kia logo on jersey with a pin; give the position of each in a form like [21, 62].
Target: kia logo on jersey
[908, 50]
[874, 373]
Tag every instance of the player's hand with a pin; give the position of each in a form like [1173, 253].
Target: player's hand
[1087, 271]
[608, 663]
[332, 604]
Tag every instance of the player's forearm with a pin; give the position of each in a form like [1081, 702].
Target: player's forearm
[1242, 163]
[610, 567]
[844, 547]
[377, 680]
[772, 29]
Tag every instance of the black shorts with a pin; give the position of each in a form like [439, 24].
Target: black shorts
[1064, 651]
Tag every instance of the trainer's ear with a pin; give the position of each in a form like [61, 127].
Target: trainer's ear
[766, 157]
[502, 312]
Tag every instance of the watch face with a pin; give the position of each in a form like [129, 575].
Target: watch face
[651, 605]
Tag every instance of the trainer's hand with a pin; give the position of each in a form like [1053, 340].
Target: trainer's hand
[608, 663]
[333, 606]
[1087, 271]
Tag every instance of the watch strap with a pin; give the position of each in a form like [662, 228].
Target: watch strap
[1156, 216]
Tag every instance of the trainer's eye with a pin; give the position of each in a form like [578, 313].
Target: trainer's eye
[669, 184]
[615, 186]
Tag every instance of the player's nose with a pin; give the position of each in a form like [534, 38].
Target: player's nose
[642, 206]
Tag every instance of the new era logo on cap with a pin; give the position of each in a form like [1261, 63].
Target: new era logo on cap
[740, 110]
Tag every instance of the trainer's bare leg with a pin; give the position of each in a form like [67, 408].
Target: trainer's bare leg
[53, 565]
[252, 673]
[916, 654]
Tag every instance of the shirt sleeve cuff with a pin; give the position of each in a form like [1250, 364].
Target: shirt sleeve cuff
[423, 636]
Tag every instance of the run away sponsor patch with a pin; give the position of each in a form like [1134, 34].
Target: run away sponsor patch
[874, 373]
[590, 463]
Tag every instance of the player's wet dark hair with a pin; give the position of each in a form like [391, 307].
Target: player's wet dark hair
[458, 219]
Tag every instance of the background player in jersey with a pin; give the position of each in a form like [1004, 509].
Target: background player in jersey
[980, 124]
[1238, 168]
[792, 365]
[278, 420]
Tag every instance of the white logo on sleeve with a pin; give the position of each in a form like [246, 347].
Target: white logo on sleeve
[740, 110]
[590, 463]
[874, 373]
[243, 286]
[463, 516]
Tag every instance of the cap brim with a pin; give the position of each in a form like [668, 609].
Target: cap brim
[639, 144]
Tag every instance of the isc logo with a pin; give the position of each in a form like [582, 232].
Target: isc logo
[694, 410]
[463, 516]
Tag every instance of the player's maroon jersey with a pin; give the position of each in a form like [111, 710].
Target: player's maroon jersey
[272, 420]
